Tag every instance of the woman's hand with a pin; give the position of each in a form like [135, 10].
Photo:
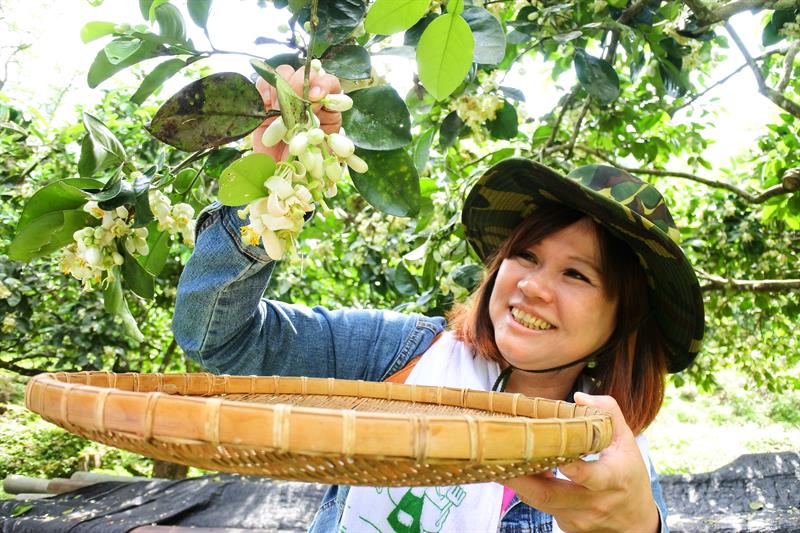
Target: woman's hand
[319, 86]
[610, 494]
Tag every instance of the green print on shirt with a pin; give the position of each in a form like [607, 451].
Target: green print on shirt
[418, 509]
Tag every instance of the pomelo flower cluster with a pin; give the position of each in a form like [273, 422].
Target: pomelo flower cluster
[317, 162]
[174, 219]
[95, 255]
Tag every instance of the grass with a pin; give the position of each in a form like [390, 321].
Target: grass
[699, 433]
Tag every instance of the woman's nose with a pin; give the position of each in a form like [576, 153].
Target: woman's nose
[536, 286]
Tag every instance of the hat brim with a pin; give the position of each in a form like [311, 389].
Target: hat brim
[511, 190]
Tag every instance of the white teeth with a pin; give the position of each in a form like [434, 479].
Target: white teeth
[529, 321]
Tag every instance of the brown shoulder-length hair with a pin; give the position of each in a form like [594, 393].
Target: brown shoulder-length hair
[634, 367]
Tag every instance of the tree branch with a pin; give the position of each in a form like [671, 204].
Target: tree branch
[788, 67]
[777, 98]
[723, 80]
[557, 125]
[21, 370]
[716, 283]
[788, 183]
[707, 17]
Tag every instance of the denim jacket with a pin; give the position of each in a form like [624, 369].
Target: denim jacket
[222, 322]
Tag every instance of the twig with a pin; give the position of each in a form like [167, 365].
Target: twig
[310, 52]
[776, 97]
[707, 17]
[577, 129]
[564, 108]
[758, 198]
[750, 285]
[788, 67]
[723, 80]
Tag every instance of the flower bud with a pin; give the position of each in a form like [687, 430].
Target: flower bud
[316, 65]
[337, 102]
[274, 133]
[117, 258]
[298, 144]
[130, 246]
[357, 164]
[122, 212]
[315, 136]
[93, 256]
[341, 145]
[333, 170]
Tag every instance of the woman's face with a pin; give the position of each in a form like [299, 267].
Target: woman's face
[549, 306]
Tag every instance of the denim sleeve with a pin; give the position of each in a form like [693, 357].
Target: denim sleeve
[222, 321]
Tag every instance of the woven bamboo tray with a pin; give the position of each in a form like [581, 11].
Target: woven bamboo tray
[322, 430]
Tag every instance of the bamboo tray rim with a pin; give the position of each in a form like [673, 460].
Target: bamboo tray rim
[166, 413]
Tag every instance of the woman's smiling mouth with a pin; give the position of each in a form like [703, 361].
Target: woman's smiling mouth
[528, 320]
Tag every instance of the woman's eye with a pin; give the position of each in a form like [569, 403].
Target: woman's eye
[528, 256]
[577, 275]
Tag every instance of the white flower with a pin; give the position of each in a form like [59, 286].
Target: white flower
[315, 136]
[341, 145]
[298, 144]
[4, 291]
[337, 102]
[93, 256]
[273, 245]
[92, 208]
[274, 133]
[279, 185]
[357, 164]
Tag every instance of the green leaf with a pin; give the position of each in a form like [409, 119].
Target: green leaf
[597, 76]
[338, 19]
[100, 148]
[158, 243]
[456, 7]
[212, 111]
[505, 124]
[115, 304]
[102, 69]
[386, 17]
[198, 10]
[422, 149]
[404, 281]
[136, 278]
[468, 276]
[291, 105]
[391, 184]
[47, 233]
[121, 193]
[60, 195]
[488, 34]
[141, 203]
[156, 78]
[154, 5]
[378, 120]
[96, 29]
[451, 128]
[121, 49]
[243, 181]
[413, 34]
[219, 159]
[777, 21]
[349, 61]
[170, 23]
[444, 55]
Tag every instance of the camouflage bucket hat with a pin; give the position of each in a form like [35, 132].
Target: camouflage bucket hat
[631, 209]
